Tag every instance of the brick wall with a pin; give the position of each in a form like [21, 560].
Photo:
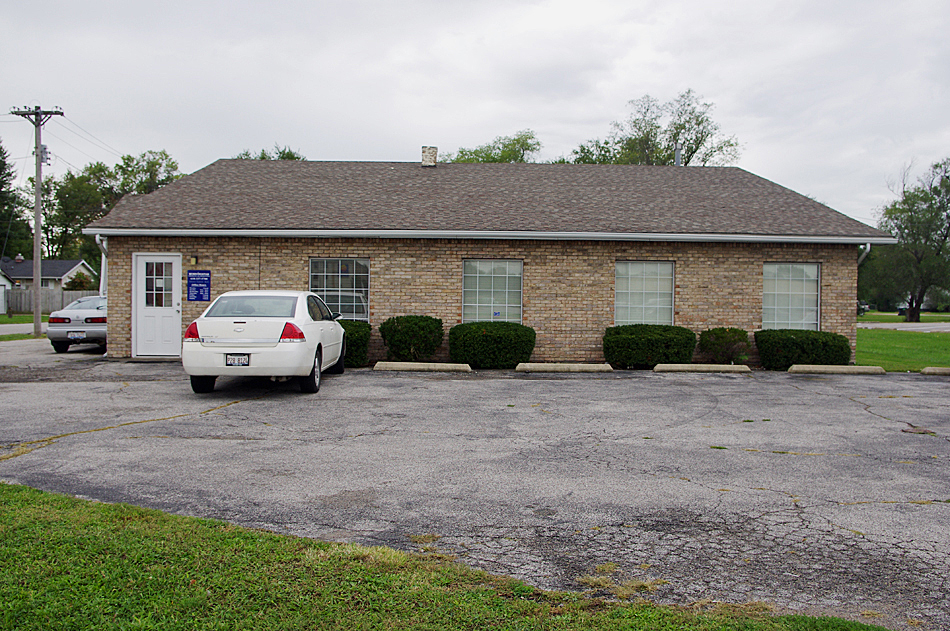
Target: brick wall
[568, 286]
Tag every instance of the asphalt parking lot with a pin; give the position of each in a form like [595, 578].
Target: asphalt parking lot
[821, 494]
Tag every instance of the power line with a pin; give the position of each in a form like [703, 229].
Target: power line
[70, 144]
[101, 143]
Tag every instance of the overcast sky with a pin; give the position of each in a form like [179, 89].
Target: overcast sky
[832, 99]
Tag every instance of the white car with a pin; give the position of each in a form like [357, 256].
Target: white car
[82, 321]
[261, 333]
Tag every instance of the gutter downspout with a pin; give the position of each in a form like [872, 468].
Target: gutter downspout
[864, 255]
[103, 243]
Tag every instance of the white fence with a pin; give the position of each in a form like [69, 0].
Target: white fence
[21, 300]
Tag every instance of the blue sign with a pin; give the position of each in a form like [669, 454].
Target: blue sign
[199, 284]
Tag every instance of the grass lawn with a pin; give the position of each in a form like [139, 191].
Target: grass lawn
[901, 351]
[878, 316]
[22, 318]
[72, 564]
[17, 336]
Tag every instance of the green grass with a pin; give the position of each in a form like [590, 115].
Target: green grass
[72, 564]
[22, 318]
[902, 351]
[18, 336]
[878, 316]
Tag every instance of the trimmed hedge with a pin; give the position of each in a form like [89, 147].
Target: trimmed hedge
[725, 345]
[357, 342]
[412, 338]
[646, 345]
[491, 344]
[779, 349]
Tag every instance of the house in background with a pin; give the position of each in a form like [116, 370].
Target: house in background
[6, 283]
[54, 273]
[566, 249]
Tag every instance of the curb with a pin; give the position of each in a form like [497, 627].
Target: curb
[801, 369]
[422, 367]
[936, 370]
[523, 367]
[701, 368]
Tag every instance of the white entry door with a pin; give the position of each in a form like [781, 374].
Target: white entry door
[156, 305]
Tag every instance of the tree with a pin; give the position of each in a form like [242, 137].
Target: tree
[280, 153]
[145, 173]
[80, 282]
[920, 220]
[77, 202]
[650, 135]
[878, 282]
[71, 202]
[517, 148]
[15, 228]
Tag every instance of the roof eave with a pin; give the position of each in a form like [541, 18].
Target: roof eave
[493, 234]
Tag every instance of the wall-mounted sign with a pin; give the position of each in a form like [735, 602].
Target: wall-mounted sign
[199, 284]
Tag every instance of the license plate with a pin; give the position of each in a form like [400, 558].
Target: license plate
[75, 335]
[237, 360]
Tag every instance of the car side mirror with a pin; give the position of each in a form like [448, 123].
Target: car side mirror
[336, 316]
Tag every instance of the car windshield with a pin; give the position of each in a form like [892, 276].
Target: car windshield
[87, 303]
[257, 306]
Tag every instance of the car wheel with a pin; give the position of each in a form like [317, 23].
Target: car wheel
[339, 366]
[60, 347]
[311, 383]
[202, 384]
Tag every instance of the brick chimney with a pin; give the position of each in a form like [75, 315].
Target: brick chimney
[19, 258]
[429, 156]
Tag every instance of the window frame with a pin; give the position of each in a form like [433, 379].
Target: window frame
[478, 289]
[774, 322]
[642, 292]
[325, 292]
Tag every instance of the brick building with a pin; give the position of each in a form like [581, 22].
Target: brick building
[566, 249]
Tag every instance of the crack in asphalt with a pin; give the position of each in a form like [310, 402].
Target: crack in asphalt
[22, 448]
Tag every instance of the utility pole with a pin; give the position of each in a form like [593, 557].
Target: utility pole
[37, 116]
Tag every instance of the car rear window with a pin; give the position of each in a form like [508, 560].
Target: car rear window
[91, 303]
[256, 306]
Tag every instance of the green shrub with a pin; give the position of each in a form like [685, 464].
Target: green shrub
[491, 344]
[779, 349]
[725, 345]
[646, 345]
[412, 338]
[357, 343]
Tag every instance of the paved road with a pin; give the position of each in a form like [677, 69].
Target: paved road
[822, 494]
[10, 329]
[919, 327]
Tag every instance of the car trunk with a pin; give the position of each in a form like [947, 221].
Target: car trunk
[241, 332]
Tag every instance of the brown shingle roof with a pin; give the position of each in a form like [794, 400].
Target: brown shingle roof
[259, 196]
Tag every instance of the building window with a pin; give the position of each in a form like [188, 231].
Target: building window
[343, 284]
[790, 296]
[491, 290]
[643, 292]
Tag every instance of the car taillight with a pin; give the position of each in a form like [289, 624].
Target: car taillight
[191, 333]
[58, 320]
[97, 320]
[292, 333]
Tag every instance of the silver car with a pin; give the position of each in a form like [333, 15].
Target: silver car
[82, 321]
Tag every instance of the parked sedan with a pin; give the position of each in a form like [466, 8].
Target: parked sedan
[82, 321]
[278, 334]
